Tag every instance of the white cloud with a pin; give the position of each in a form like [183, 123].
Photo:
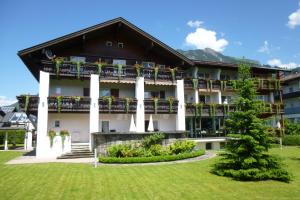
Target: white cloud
[202, 38]
[195, 24]
[265, 48]
[4, 101]
[278, 63]
[294, 19]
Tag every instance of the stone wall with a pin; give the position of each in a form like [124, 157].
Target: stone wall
[103, 140]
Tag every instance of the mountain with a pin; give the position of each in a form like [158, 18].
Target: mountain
[208, 54]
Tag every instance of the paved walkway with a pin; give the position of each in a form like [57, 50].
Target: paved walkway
[207, 155]
[31, 159]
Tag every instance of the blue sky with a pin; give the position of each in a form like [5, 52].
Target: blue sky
[264, 30]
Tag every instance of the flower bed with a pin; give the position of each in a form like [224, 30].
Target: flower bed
[162, 158]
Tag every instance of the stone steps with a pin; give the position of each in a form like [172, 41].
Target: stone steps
[78, 150]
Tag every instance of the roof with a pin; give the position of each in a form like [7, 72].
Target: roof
[7, 109]
[291, 77]
[100, 26]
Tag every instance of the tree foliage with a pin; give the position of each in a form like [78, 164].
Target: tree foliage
[246, 156]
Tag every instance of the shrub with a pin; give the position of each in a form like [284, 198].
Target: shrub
[16, 136]
[159, 150]
[182, 146]
[125, 150]
[151, 159]
[291, 140]
[291, 128]
[152, 140]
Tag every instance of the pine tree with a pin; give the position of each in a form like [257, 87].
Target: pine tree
[246, 156]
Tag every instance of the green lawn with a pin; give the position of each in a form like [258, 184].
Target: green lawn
[175, 181]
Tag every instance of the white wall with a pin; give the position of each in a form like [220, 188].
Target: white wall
[76, 124]
[125, 90]
[166, 122]
[118, 122]
[68, 87]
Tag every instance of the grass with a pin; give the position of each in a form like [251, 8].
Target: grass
[174, 181]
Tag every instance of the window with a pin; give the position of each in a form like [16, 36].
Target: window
[161, 66]
[207, 99]
[204, 75]
[77, 59]
[225, 77]
[108, 43]
[155, 125]
[104, 93]
[147, 95]
[57, 90]
[291, 89]
[119, 62]
[86, 92]
[155, 94]
[105, 126]
[148, 64]
[162, 94]
[114, 93]
[120, 45]
[56, 124]
[208, 145]
[202, 99]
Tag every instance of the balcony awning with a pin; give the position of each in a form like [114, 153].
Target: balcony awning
[159, 83]
[117, 81]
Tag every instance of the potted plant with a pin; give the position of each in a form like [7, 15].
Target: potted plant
[78, 66]
[138, 68]
[27, 97]
[63, 134]
[171, 101]
[58, 61]
[127, 103]
[59, 102]
[109, 100]
[173, 73]
[100, 66]
[212, 110]
[155, 101]
[51, 135]
[195, 83]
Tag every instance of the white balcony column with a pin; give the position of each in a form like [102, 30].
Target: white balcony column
[140, 109]
[218, 74]
[180, 117]
[43, 142]
[28, 141]
[219, 97]
[94, 107]
[196, 95]
[6, 142]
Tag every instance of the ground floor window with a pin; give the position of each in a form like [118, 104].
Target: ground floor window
[105, 126]
[205, 126]
[208, 145]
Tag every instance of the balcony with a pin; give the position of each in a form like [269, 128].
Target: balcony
[117, 105]
[68, 104]
[292, 94]
[230, 85]
[28, 103]
[108, 71]
[220, 110]
[160, 106]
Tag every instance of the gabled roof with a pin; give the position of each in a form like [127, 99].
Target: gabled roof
[100, 26]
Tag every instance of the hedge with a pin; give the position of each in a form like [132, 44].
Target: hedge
[13, 136]
[291, 140]
[164, 158]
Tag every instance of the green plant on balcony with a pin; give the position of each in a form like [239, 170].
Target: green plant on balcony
[226, 109]
[51, 135]
[209, 85]
[233, 84]
[138, 68]
[173, 73]
[212, 110]
[127, 103]
[198, 109]
[77, 98]
[63, 134]
[59, 102]
[223, 85]
[195, 83]
[100, 66]
[120, 70]
[58, 61]
[156, 68]
[155, 101]
[27, 97]
[170, 101]
[109, 100]
[78, 66]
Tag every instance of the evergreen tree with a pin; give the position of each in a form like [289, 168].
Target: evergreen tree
[246, 156]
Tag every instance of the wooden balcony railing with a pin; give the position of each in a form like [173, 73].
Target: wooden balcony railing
[108, 71]
[160, 106]
[210, 110]
[28, 103]
[68, 104]
[261, 84]
[117, 105]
